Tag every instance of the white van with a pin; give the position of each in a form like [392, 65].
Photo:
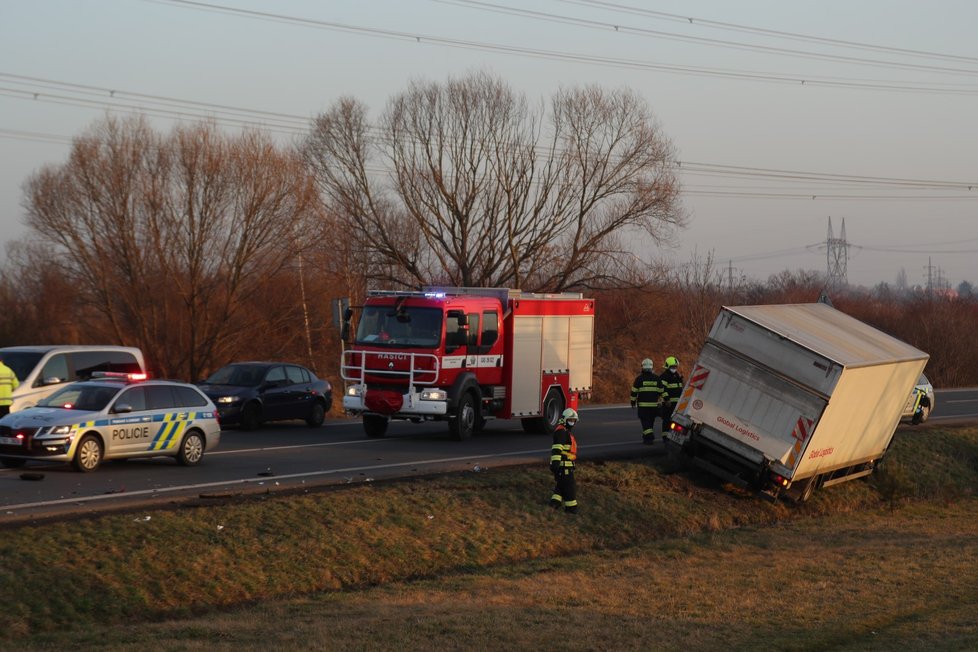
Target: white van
[42, 370]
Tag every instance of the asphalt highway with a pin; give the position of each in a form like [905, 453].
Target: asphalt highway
[292, 457]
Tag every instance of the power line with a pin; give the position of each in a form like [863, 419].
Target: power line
[638, 31]
[770, 32]
[90, 96]
[630, 64]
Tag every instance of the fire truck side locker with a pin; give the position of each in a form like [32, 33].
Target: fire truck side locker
[548, 351]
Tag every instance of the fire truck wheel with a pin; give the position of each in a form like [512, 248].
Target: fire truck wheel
[374, 425]
[462, 425]
[553, 407]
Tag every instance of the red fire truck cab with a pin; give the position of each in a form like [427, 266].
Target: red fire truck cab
[467, 355]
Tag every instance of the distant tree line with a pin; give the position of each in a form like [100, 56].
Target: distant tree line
[202, 247]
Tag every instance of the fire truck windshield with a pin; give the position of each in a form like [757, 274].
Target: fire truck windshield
[407, 326]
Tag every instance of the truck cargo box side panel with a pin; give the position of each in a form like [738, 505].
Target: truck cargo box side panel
[752, 405]
[861, 416]
[526, 364]
[784, 355]
[581, 352]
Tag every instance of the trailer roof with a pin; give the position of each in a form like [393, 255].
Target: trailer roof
[831, 333]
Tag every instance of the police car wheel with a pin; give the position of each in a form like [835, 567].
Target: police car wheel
[191, 449]
[88, 456]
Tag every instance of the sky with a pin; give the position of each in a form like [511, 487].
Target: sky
[783, 115]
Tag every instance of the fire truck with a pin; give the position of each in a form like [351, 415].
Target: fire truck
[467, 355]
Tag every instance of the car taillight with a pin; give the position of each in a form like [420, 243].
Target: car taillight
[779, 480]
[677, 427]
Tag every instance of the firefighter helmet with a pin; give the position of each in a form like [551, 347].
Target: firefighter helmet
[671, 361]
[647, 364]
[569, 417]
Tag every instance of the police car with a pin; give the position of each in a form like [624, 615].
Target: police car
[112, 416]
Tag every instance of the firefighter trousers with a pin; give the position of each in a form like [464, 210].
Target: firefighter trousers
[646, 415]
[565, 491]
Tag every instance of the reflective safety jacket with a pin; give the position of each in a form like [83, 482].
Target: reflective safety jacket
[8, 383]
[646, 390]
[564, 450]
[671, 383]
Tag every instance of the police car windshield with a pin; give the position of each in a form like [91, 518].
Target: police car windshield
[407, 326]
[81, 396]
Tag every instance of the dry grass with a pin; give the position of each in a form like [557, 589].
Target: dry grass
[656, 561]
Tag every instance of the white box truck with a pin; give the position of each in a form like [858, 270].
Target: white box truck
[789, 398]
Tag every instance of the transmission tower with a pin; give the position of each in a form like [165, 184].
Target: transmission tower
[837, 256]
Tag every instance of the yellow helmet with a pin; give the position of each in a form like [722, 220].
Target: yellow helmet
[671, 361]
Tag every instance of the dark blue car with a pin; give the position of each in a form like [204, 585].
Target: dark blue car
[248, 394]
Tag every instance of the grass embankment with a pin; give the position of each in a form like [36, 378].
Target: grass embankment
[654, 561]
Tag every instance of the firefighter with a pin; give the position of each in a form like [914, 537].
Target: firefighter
[562, 456]
[8, 383]
[671, 382]
[646, 396]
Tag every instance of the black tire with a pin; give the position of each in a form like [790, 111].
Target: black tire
[88, 455]
[12, 462]
[462, 425]
[375, 425]
[806, 491]
[553, 407]
[250, 416]
[191, 449]
[317, 415]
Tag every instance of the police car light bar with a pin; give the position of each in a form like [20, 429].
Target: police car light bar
[120, 374]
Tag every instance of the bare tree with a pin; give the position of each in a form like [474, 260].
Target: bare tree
[167, 236]
[464, 183]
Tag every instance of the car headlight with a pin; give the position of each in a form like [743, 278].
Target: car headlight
[226, 399]
[434, 395]
[354, 390]
[60, 430]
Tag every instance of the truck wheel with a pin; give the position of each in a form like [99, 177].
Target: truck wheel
[806, 491]
[374, 425]
[462, 425]
[553, 407]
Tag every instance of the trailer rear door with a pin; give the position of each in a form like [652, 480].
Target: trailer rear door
[753, 410]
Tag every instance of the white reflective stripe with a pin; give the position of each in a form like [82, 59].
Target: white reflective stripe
[471, 361]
